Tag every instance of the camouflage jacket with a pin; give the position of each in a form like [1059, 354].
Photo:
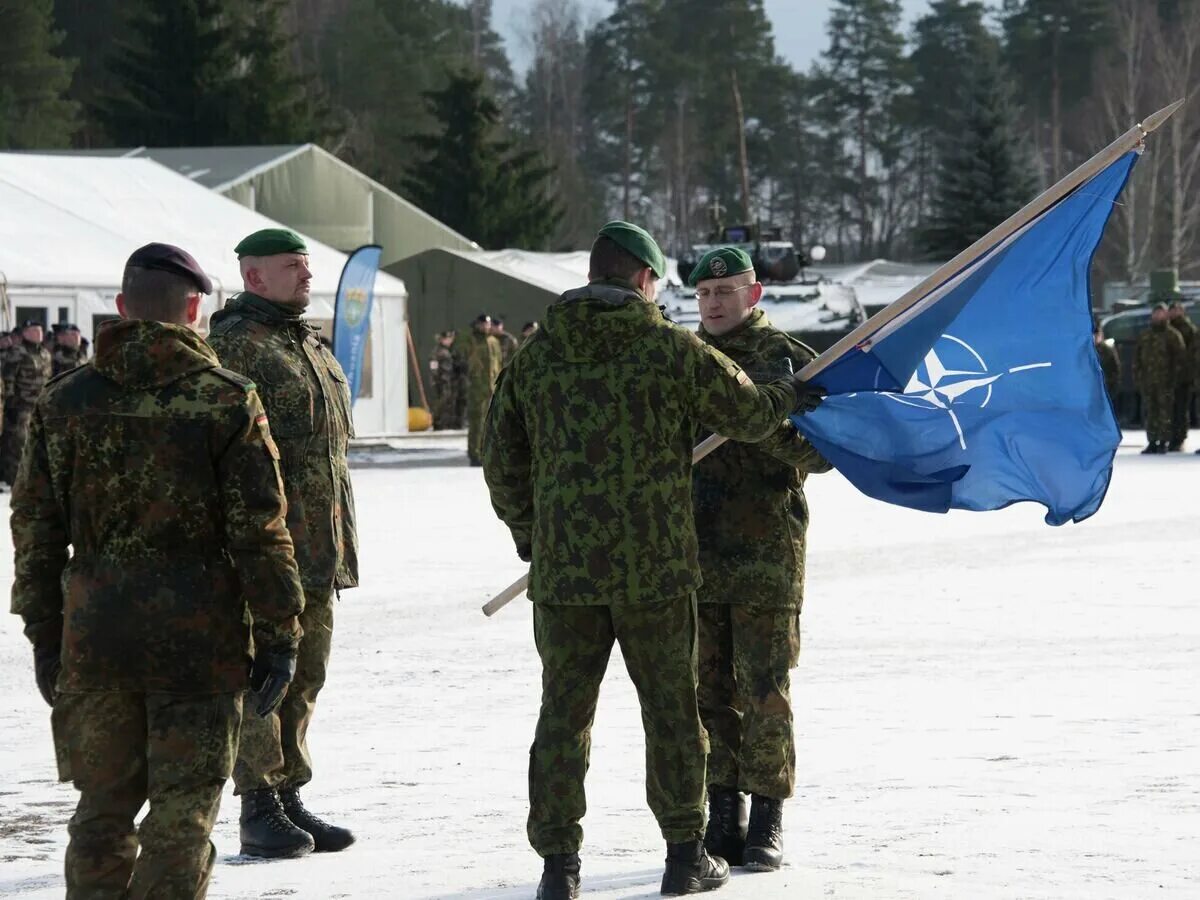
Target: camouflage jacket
[1110, 365]
[443, 370]
[483, 360]
[158, 470]
[508, 346]
[27, 368]
[1159, 358]
[1187, 331]
[588, 450]
[64, 359]
[308, 400]
[751, 514]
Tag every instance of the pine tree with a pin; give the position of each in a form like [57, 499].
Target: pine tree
[984, 175]
[476, 180]
[204, 73]
[34, 78]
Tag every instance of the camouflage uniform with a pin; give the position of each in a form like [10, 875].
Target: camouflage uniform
[305, 393]
[443, 380]
[508, 346]
[751, 518]
[173, 534]
[1181, 410]
[26, 372]
[1110, 365]
[483, 363]
[64, 359]
[1158, 361]
[588, 461]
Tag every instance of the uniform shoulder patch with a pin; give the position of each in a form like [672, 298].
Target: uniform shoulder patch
[237, 378]
[225, 325]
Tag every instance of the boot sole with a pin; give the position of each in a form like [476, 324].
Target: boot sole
[693, 887]
[264, 853]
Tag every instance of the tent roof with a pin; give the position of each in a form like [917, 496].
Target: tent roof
[218, 167]
[73, 221]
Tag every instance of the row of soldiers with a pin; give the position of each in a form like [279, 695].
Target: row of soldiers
[463, 371]
[28, 359]
[1166, 367]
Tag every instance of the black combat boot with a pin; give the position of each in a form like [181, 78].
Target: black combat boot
[560, 877]
[1151, 447]
[726, 833]
[691, 870]
[764, 840]
[267, 832]
[326, 838]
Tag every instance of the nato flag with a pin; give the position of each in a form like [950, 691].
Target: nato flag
[987, 391]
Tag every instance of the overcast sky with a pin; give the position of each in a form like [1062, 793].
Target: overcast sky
[799, 26]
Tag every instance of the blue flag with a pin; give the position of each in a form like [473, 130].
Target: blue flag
[987, 391]
[352, 312]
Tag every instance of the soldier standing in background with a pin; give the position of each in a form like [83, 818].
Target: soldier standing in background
[530, 329]
[140, 634]
[751, 519]
[443, 381]
[588, 461]
[68, 351]
[483, 364]
[1181, 412]
[26, 372]
[1157, 361]
[261, 333]
[508, 343]
[1110, 362]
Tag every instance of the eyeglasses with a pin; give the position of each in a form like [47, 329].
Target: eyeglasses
[722, 291]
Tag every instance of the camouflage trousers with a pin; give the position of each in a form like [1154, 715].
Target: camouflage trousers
[175, 750]
[1157, 405]
[478, 401]
[745, 658]
[1181, 414]
[273, 751]
[658, 642]
[445, 407]
[12, 441]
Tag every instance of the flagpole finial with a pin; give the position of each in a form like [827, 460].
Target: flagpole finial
[1152, 123]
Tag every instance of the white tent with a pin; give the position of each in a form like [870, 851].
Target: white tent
[68, 223]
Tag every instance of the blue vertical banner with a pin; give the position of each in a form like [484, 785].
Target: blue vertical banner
[352, 312]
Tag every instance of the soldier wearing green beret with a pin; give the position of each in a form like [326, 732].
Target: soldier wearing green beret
[751, 519]
[588, 458]
[262, 334]
[1158, 360]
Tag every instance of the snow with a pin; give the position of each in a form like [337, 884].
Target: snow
[986, 708]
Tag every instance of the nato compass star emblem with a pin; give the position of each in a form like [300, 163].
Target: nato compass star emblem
[953, 373]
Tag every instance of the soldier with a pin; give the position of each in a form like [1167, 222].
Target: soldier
[68, 351]
[508, 343]
[751, 518]
[588, 461]
[528, 331]
[483, 358]
[443, 380]
[1157, 361]
[25, 374]
[260, 333]
[1181, 412]
[140, 635]
[1110, 361]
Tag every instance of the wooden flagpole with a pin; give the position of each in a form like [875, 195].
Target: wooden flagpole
[1130, 140]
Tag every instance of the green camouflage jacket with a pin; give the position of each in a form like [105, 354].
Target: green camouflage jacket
[64, 359]
[1187, 331]
[158, 470]
[588, 450]
[751, 515]
[484, 360]
[307, 397]
[27, 368]
[1159, 358]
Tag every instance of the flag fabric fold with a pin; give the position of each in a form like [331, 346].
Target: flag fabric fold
[987, 391]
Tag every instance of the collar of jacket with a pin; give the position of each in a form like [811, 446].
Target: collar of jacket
[744, 337]
[252, 306]
[137, 353]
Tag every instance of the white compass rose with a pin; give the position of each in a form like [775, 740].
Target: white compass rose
[939, 385]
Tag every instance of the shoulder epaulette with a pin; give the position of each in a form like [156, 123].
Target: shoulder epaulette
[225, 324]
[233, 377]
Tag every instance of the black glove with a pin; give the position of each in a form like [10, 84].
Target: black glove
[525, 553]
[808, 395]
[47, 663]
[270, 675]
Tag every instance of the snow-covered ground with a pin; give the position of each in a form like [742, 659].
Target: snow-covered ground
[987, 709]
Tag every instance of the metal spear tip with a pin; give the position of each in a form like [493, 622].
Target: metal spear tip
[1151, 123]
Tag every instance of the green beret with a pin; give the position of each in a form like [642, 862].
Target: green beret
[1164, 285]
[637, 241]
[270, 242]
[721, 263]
